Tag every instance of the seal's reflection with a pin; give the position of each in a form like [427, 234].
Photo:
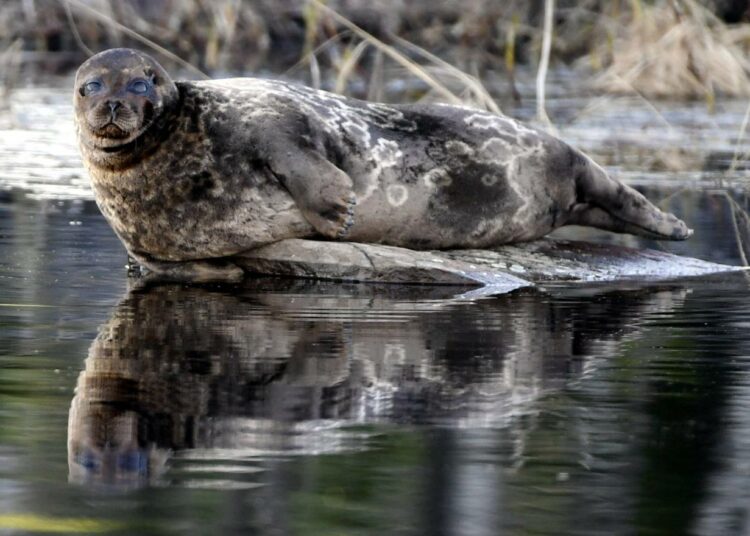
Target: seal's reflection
[271, 367]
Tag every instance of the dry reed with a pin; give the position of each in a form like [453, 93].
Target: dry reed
[674, 50]
[541, 78]
[10, 65]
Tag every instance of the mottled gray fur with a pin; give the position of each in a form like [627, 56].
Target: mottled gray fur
[207, 170]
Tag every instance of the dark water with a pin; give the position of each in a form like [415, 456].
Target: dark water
[288, 407]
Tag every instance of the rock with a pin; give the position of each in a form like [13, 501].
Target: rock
[570, 260]
[498, 271]
[350, 261]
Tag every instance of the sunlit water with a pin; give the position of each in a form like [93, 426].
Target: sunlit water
[292, 407]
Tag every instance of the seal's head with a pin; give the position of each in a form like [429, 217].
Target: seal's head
[119, 94]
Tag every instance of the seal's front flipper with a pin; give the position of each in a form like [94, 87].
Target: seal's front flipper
[628, 208]
[199, 271]
[322, 191]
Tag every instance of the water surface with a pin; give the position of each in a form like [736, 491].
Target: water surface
[296, 407]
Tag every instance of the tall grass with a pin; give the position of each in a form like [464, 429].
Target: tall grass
[674, 50]
[659, 48]
[338, 58]
[10, 64]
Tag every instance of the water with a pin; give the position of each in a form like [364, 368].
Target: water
[293, 407]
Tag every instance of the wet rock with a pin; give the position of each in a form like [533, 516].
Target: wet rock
[570, 260]
[502, 269]
[349, 261]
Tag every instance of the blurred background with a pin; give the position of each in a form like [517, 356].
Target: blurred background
[659, 48]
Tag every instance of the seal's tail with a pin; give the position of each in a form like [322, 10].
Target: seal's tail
[614, 206]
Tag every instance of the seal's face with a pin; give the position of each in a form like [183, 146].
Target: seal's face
[119, 94]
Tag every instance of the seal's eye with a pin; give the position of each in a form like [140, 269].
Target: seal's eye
[139, 87]
[91, 87]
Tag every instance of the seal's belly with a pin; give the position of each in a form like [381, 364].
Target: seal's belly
[422, 218]
[455, 203]
[170, 229]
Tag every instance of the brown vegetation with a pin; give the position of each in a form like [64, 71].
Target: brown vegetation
[663, 48]
[675, 50]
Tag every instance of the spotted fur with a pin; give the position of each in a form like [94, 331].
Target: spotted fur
[229, 165]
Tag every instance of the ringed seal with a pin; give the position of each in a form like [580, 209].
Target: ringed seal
[190, 174]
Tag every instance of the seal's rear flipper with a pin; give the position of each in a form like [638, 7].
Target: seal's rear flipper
[621, 208]
[592, 216]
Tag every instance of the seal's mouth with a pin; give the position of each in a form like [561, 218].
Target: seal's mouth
[112, 138]
[117, 148]
[112, 131]
[117, 131]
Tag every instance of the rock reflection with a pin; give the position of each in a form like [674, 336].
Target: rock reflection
[288, 367]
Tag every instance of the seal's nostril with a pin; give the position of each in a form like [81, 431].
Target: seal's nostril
[113, 105]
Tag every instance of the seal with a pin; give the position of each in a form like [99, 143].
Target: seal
[191, 174]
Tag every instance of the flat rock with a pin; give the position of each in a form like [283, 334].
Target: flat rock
[500, 270]
[350, 261]
[569, 260]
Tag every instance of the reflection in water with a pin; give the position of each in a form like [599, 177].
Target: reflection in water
[290, 367]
